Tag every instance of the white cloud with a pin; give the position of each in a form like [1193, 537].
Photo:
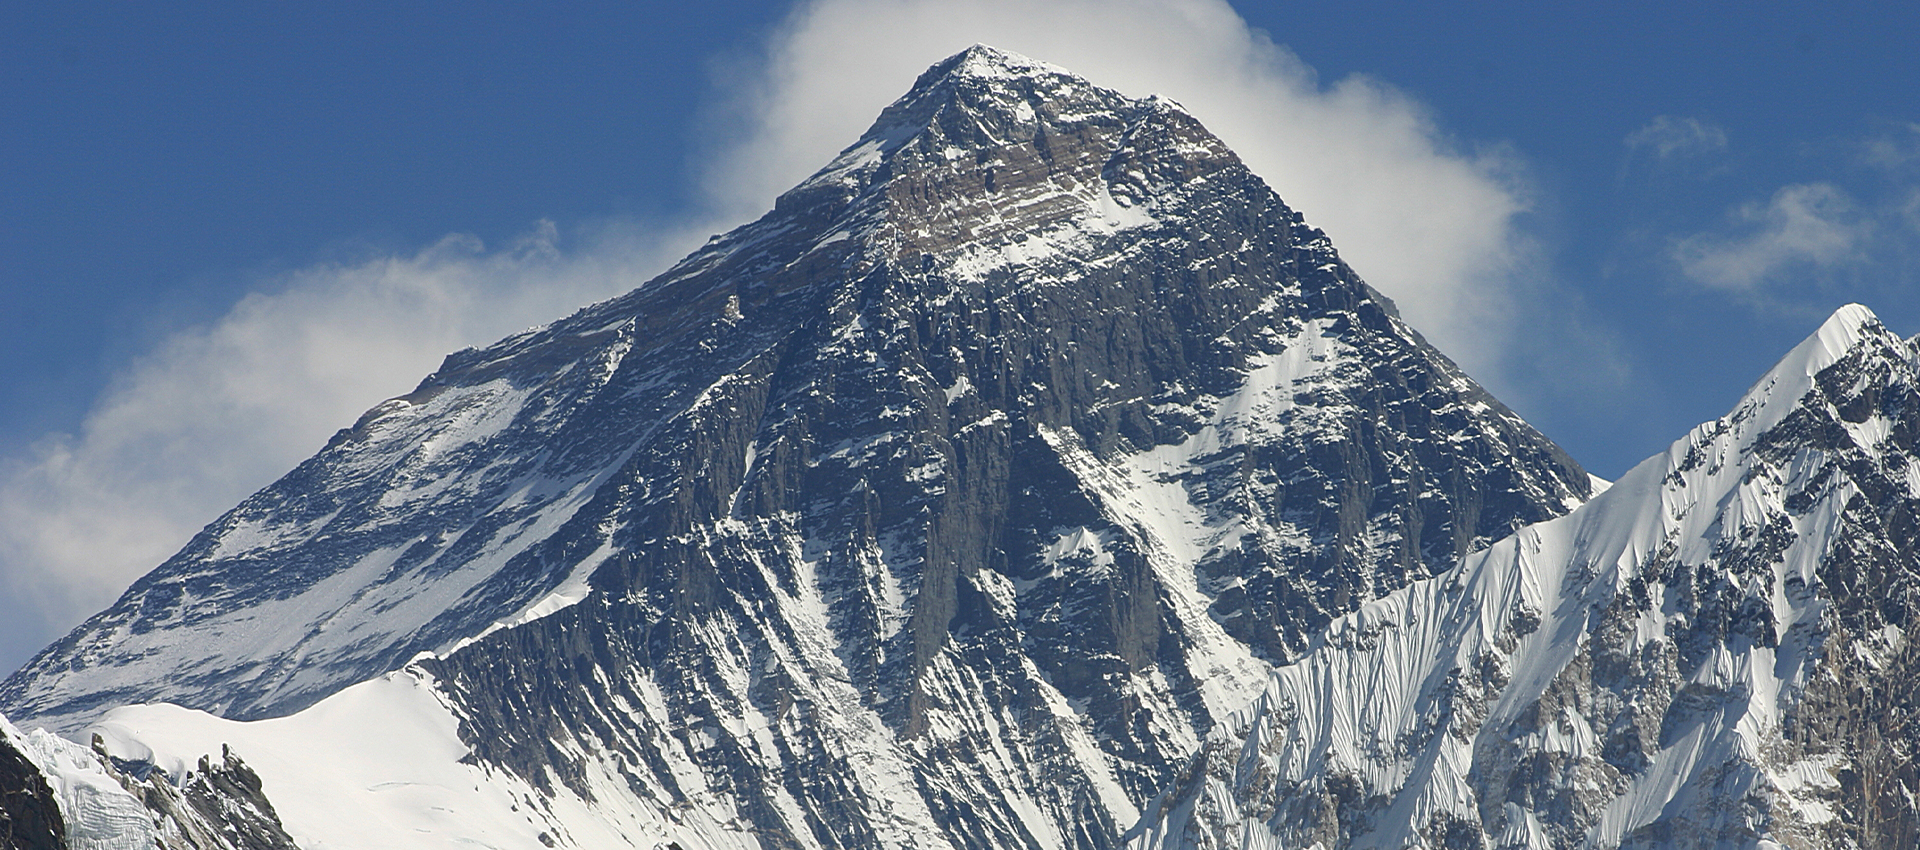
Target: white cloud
[1805, 226]
[213, 413]
[1895, 149]
[1667, 137]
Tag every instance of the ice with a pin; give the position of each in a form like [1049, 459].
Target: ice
[386, 751]
[99, 814]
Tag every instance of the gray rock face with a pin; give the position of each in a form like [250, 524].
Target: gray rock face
[220, 806]
[29, 816]
[947, 505]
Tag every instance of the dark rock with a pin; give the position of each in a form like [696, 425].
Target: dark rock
[29, 815]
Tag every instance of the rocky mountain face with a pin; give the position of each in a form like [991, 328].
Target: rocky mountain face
[1047, 428]
[1717, 652]
[950, 504]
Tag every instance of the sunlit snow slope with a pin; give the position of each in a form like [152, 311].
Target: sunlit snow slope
[1715, 652]
[428, 520]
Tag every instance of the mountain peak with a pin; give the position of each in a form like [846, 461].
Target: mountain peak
[1766, 561]
[992, 90]
[989, 145]
[1839, 334]
[986, 62]
[1777, 393]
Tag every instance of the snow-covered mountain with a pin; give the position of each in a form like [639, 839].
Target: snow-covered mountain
[1075, 274]
[1030, 476]
[1716, 652]
[947, 505]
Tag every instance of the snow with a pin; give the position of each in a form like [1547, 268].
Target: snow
[570, 593]
[1050, 246]
[1792, 377]
[1080, 542]
[99, 813]
[961, 387]
[388, 752]
[1255, 413]
[985, 62]
[1158, 509]
[1597, 484]
[457, 504]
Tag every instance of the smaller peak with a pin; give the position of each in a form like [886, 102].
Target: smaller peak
[1780, 390]
[1839, 334]
[1848, 323]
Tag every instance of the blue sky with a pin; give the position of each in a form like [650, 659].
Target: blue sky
[226, 229]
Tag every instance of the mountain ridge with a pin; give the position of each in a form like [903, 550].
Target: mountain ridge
[946, 505]
[1677, 663]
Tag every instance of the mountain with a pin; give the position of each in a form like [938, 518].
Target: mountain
[1717, 652]
[949, 504]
